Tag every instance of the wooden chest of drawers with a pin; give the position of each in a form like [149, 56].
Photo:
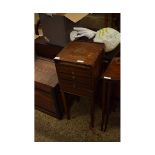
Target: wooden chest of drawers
[75, 79]
[79, 66]
[47, 94]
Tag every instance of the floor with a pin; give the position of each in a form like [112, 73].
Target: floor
[50, 129]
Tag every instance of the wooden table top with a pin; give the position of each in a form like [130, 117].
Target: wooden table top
[113, 70]
[80, 52]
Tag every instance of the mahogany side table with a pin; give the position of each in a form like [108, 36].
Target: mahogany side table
[111, 75]
[79, 66]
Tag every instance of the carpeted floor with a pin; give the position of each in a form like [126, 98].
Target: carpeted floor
[50, 129]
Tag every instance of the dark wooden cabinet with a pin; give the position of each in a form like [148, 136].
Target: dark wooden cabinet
[44, 49]
[79, 66]
[47, 93]
[109, 78]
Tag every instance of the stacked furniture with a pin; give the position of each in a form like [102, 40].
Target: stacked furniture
[47, 94]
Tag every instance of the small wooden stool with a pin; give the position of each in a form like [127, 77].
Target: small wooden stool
[112, 74]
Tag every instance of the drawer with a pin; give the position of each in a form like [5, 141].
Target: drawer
[77, 79]
[75, 85]
[77, 89]
[45, 101]
[73, 69]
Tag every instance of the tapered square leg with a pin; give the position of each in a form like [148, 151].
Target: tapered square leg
[66, 106]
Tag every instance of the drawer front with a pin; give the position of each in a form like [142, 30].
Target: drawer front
[78, 80]
[73, 69]
[75, 78]
[74, 87]
[45, 101]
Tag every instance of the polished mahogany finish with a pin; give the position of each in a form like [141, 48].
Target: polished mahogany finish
[113, 70]
[47, 94]
[44, 49]
[87, 52]
[109, 77]
[79, 67]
